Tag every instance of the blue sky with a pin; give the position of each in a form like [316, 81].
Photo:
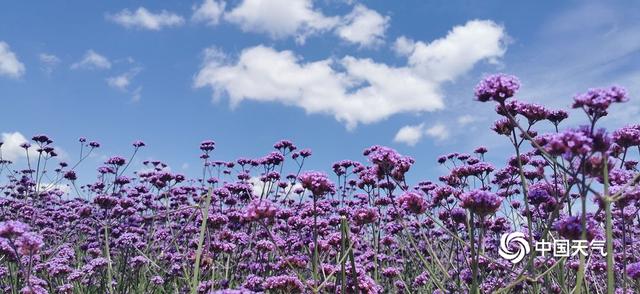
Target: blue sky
[335, 76]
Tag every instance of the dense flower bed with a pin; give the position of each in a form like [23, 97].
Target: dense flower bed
[252, 225]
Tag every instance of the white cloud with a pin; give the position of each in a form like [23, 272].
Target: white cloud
[136, 95]
[438, 131]
[353, 90]
[404, 45]
[92, 60]
[11, 149]
[264, 74]
[145, 19]
[49, 61]
[409, 135]
[363, 26]
[446, 58]
[122, 82]
[64, 188]
[10, 66]
[281, 18]
[466, 119]
[209, 12]
[259, 187]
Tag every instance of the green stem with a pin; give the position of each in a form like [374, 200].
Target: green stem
[474, 261]
[203, 227]
[609, 230]
[109, 266]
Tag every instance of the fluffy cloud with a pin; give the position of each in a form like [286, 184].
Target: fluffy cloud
[92, 60]
[10, 66]
[299, 18]
[260, 188]
[10, 149]
[353, 90]
[122, 82]
[281, 18]
[409, 135]
[136, 95]
[438, 131]
[145, 19]
[412, 134]
[404, 46]
[209, 12]
[363, 26]
[49, 61]
[264, 74]
[466, 119]
[446, 58]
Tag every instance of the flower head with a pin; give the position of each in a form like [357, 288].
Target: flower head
[12, 229]
[570, 227]
[29, 243]
[413, 202]
[317, 183]
[481, 202]
[497, 87]
[595, 102]
[633, 270]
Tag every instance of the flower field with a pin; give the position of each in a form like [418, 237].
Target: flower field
[269, 225]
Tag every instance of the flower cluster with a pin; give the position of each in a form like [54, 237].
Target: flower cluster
[252, 225]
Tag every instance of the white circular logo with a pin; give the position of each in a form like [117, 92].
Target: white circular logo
[519, 239]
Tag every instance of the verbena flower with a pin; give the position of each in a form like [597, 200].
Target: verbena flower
[412, 202]
[497, 87]
[633, 271]
[481, 202]
[317, 183]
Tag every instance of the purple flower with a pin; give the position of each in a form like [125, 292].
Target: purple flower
[388, 162]
[633, 270]
[305, 153]
[116, 161]
[503, 127]
[284, 145]
[138, 144]
[533, 112]
[568, 143]
[481, 202]
[12, 229]
[481, 150]
[570, 227]
[595, 102]
[207, 146]
[317, 183]
[284, 283]
[157, 280]
[497, 87]
[556, 116]
[458, 215]
[260, 209]
[70, 175]
[413, 202]
[364, 216]
[628, 136]
[29, 243]
[42, 139]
